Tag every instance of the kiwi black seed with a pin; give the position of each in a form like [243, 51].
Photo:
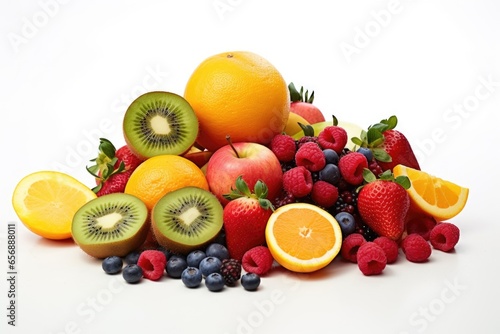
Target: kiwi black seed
[160, 123]
[186, 219]
[113, 224]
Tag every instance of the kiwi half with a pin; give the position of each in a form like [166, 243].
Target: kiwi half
[160, 123]
[113, 224]
[186, 219]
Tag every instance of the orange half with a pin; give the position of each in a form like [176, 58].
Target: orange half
[434, 196]
[303, 237]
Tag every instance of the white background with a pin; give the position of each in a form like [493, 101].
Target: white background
[69, 70]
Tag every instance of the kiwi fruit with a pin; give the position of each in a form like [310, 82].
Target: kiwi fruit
[113, 224]
[186, 219]
[160, 123]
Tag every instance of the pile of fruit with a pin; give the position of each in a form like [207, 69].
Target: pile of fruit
[240, 175]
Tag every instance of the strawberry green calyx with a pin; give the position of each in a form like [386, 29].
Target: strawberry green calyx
[402, 180]
[105, 163]
[296, 96]
[374, 138]
[242, 190]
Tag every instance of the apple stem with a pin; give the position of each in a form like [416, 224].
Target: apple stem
[228, 138]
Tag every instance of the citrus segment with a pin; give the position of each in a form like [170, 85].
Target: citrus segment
[434, 196]
[161, 174]
[303, 237]
[240, 94]
[46, 202]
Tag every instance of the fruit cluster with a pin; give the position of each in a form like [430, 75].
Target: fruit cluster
[204, 189]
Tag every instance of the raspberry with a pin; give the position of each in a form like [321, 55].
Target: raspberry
[351, 167]
[416, 248]
[421, 225]
[350, 246]
[324, 194]
[152, 263]
[231, 271]
[283, 147]
[258, 260]
[444, 236]
[390, 248]
[310, 156]
[333, 137]
[306, 139]
[298, 181]
[371, 258]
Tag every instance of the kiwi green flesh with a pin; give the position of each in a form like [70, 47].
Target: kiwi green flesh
[186, 219]
[113, 224]
[159, 123]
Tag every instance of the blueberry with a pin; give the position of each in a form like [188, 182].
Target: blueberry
[250, 281]
[132, 273]
[191, 277]
[330, 173]
[209, 265]
[214, 282]
[132, 257]
[331, 156]
[112, 264]
[367, 153]
[175, 266]
[347, 223]
[217, 250]
[194, 258]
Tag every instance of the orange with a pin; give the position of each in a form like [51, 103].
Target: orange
[303, 237]
[431, 195]
[292, 126]
[46, 202]
[161, 174]
[240, 94]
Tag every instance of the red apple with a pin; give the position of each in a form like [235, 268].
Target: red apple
[250, 160]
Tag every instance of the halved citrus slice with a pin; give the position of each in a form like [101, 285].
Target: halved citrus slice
[436, 197]
[303, 237]
[46, 202]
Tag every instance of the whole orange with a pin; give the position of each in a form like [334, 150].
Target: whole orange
[239, 94]
[161, 174]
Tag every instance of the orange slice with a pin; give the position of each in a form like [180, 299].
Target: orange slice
[303, 237]
[436, 197]
[46, 202]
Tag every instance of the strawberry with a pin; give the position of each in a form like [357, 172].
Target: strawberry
[383, 204]
[245, 217]
[301, 105]
[390, 147]
[113, 168]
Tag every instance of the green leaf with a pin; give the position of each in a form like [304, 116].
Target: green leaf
[311, 98]
[381, 127]
[387, 175]
[391, 122]
[260, 189]
[372, 135]
[266, 204]
[381, 155]
[93, 171]
[107, 148]
[404, 181]
[335, 120]
[295, 96]
[242, 186]
[307, 129]
[357, 141]
[368, 175]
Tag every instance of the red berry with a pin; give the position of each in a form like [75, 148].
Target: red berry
[416, 248]
[311, 157]
[258, 260]
[390, 247]
[421, 225]
[350, 246]
[152, 263]
[283, 147]
[333, 137]
[351, 167]
[444, 236]
[371, 258]
[298, 181]
[324, 194]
